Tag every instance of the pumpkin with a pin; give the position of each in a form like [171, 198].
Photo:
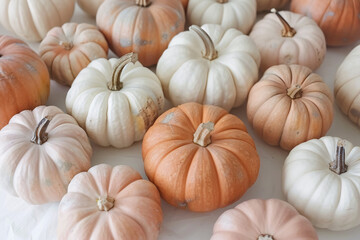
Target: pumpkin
[209, 65]
[31, 20]
[90, 6]
[263, 220]
[290, 105]
[68, 49]
[239, 14]
[24, 79]
[200, 157]
[110, 203]
[320, 179]
[184, 3]
[142, 26]
[288, 38]
[115, 100]
[339, 20]
[347, 86]
[40, 152]
[265, 5]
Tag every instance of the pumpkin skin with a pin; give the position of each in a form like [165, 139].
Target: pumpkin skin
[200, 177]
[290, 105]
[239, 14]
[129, 26]
[347, 86]
[130, 206]
[68, 49]
[117, 117]
[40, 171]
[184, 3]
[265, 5]
[219, 70]
[90, 6]
[328, 199]
[339, 20]
[24, 78]
[277, 45]
[31, 20]
[263, 220]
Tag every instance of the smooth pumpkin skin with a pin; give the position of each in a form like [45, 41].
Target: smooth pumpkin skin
[256, 217]
[265, 5]
[144, 30]
[194, 177]
[90, 6]
[282, 121]
[339, 20]
[24, 78]
[184, 3]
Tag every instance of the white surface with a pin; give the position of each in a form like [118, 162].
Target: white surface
[178, 224]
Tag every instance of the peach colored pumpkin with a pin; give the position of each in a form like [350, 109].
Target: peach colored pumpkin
[110, 203]
[290, 105]
[339, 19]
[142, 26]
[68, 49]
[258, 219]
[184, 3]
[90, 6]
[40, 152]
[200, 157]
[24, 78]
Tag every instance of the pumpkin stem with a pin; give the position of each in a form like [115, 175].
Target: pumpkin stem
[210, 51]
[105, 203]
[222, 1]
[338, 166]
[116, 84]
[265, 237]
[294, 91]
[143, 3]
[288, 31]
[40, 136]
[67, 45]
[202, 134]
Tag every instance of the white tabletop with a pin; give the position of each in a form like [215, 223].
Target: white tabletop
[18, 220]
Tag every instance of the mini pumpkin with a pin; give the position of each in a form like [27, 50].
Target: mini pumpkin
[40, 152]
[142, 26]
[258, 219]
[90, 6]
[289, 38]
[265, 5]
[68, 49]
[320, 179]
[339, 20]
[347, 86]
[31, 20]
[200, 157]
[115, 100]
[110, 203]
[24, 78]
[290, 105]
[209, 65]
[239, 14]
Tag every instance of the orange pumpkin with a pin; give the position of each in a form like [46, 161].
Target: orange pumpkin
[184, 3]
[339, 20]
[24, 78]
[142, 26]
[200, 157]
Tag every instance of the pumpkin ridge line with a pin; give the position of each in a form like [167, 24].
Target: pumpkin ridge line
[352, 102]
[189, 118]
[321, 115]
[217, 175]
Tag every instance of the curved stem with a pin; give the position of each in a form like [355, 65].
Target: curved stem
[105, 203]
[40, 136]
[265, 237]
[116, 84]
[294, 91]
[222, 1]
[143, 3]
[203, 133]
[210, 51]
[288, 31]
[338, 166]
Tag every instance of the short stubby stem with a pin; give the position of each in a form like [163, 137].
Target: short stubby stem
[295, 91]
[40, 136]
[222, 1]
[143, 3]
[115, 84]
[67, 45]
[288, 31]
[210, 51]
[202, 136]
[105, 203]
[265, 237]
[338, 166]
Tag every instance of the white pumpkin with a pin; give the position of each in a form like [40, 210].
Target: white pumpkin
[239, 14]
[209, 65]
[321, 180]
[264, 5]
[31, 20]
[347, 86]
[90, 6]
[115, 100]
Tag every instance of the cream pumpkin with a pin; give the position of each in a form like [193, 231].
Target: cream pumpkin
[258, 219]
[321, 180]
[265, 5]
[209, 65]
[115, 100]
[110, 203]
[289, 38]
[31, 20]
[90, 6]
[40, 152]
[239, 14]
